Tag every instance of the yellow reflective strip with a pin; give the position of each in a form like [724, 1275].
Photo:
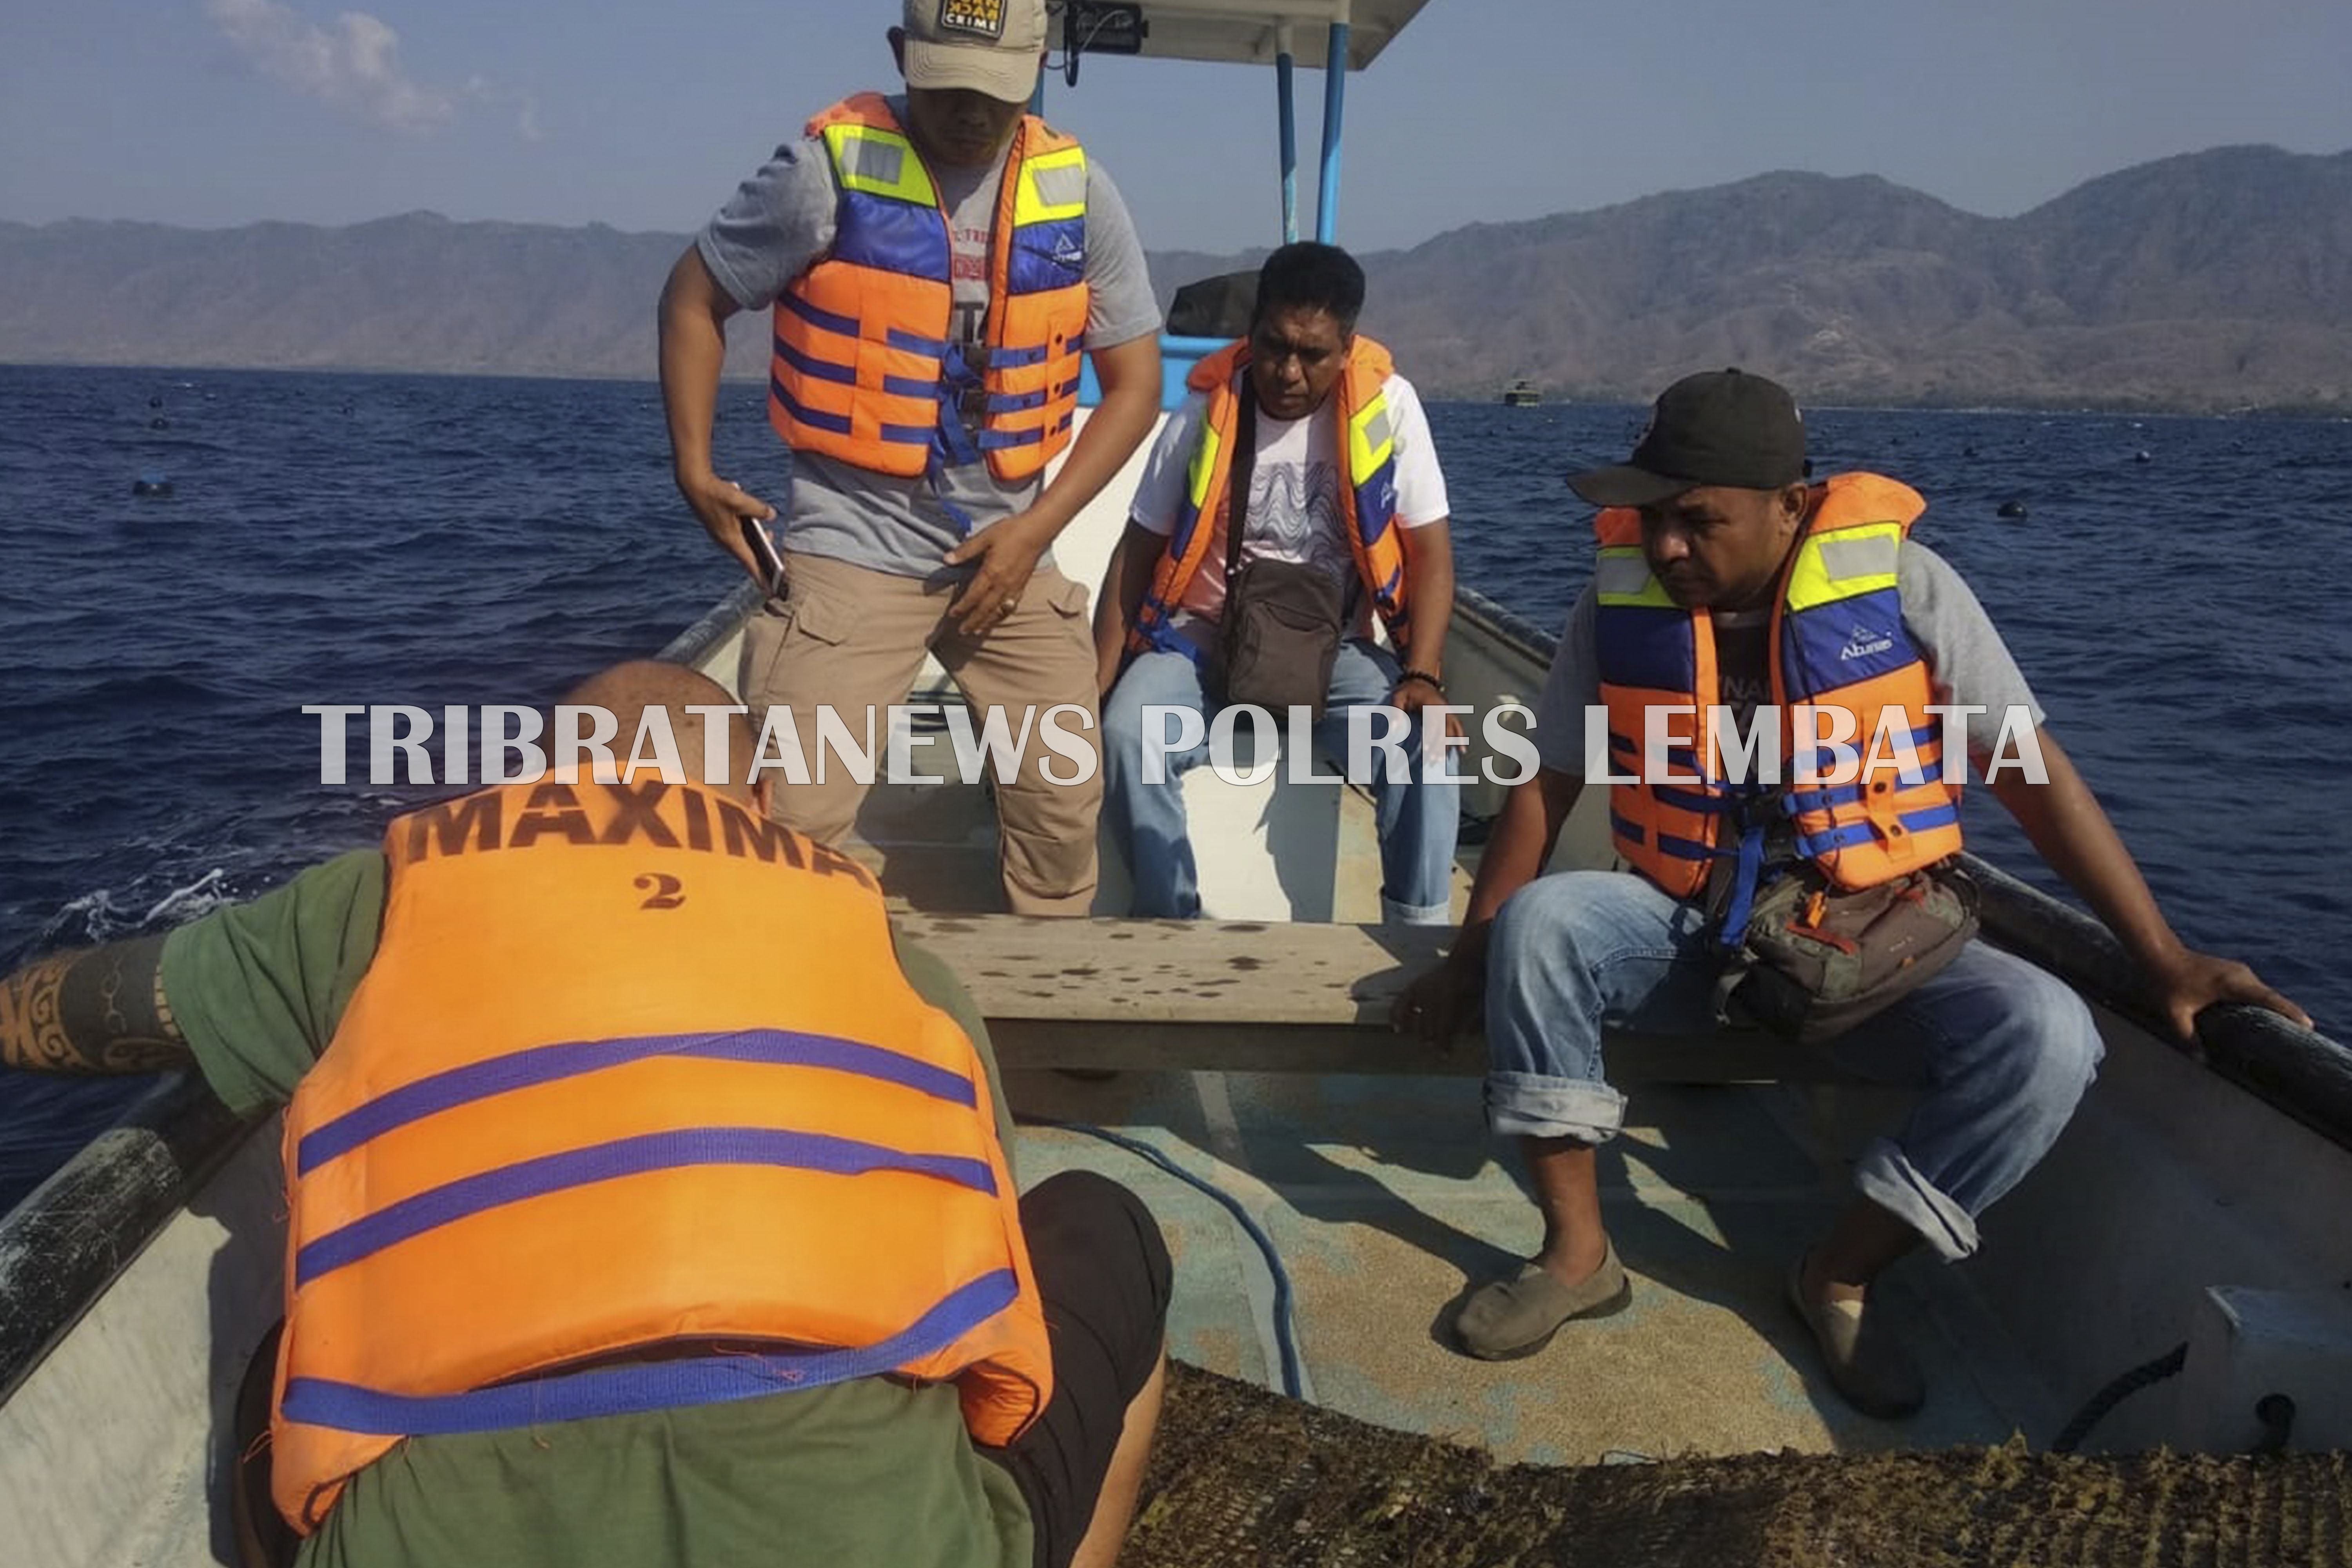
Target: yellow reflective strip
[1052, 186]
[1843, 564]
[879, 164]
[1622, 577]
[1205, 464]
[1370, 441]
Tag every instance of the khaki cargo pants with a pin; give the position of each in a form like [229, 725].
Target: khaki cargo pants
[854, 640]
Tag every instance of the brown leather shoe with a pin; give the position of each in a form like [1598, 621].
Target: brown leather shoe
[1507, 1319]
[1867, 1364]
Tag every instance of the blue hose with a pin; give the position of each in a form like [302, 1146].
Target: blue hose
[1285, 1334]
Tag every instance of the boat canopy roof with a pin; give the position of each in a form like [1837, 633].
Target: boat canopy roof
[1350, 35]
[1246, 32]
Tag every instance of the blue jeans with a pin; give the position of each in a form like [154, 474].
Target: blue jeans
[2003, 1050]
[1417, 817]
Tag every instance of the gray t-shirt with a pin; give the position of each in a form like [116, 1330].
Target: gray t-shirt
[782, 220]
[1966, 662]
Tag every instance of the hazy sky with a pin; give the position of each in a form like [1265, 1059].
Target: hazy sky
[217, 112]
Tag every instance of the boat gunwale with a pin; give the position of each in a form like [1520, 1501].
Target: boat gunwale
[64, 1246]
[715, 626]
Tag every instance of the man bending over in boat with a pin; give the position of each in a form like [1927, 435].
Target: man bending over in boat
[937, 263]
[1306, 427]
[646, 1207]
[1725, 579]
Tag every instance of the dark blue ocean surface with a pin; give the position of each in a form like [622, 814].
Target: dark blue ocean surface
[431, 540]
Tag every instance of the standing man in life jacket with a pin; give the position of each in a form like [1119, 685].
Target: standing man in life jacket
[1306, 426]
[1725, 580]
[647, 1207]
[937, 264]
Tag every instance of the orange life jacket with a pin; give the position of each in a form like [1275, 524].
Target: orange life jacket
[863, 370]
[1367, 502]
[1837, 642]
[633, 1068]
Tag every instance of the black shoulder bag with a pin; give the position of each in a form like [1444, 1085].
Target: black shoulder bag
[1280, 629]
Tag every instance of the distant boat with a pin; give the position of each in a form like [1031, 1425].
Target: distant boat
[1522, 393]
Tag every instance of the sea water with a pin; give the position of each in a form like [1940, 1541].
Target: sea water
[2176, 593]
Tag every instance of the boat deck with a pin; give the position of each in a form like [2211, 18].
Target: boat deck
[1385, 1201]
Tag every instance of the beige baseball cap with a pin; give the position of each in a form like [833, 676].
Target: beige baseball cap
[986, 45]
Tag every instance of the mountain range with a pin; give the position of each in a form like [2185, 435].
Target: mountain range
[2216, 280]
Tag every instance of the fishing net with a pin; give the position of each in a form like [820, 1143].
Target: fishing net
[1240, 1475]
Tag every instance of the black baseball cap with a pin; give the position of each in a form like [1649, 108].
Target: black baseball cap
[1717, 428]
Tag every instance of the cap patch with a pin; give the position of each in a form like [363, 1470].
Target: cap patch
[981, 19]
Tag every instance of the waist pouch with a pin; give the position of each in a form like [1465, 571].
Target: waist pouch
[1279, 635]
[1817, 960]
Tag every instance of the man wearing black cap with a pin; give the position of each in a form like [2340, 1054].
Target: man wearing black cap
[1725, 580]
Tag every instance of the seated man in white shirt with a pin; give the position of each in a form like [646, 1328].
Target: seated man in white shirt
[1342, 477]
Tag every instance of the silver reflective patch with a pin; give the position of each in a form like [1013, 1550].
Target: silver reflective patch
[879, 161]
[1062, 185]
[1843, 559]
[1620, 574]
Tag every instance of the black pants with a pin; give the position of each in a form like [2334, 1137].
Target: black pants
[1103, 1271]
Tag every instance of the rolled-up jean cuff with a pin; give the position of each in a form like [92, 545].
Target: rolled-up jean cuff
[1535, 1105]
[1889, 1180]
[1397, 914]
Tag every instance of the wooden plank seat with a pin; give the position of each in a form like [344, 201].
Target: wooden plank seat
[1251, 996]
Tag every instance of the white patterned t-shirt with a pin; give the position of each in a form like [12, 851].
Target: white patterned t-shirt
[1294, 503]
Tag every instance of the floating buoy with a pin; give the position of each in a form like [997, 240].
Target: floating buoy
[2011, 508]
[151, 484]
[1967, 451]
[158, 424]
[2141, 457]
[154, 402]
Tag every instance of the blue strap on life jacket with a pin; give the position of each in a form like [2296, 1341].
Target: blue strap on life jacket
[1749, 807]
[644, 1385]
[1747, 870]
[951, 444]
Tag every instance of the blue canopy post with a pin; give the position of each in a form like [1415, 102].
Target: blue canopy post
[1335, 92]
[1283, 93]
[1261, 33]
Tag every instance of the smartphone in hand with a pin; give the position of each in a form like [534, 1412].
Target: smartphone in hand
[764, 550]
